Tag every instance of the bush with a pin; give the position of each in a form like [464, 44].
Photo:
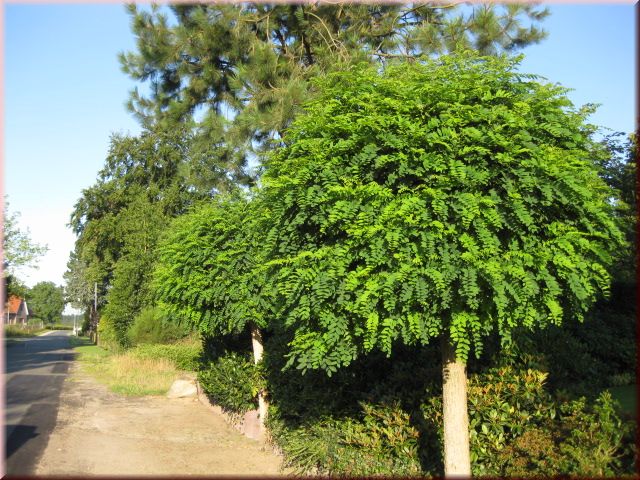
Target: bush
[381, 441]
[232, 381]
[35, 323]
[517, 428]
[59, 326]
[185, 356]
[107, 335]
[586, 440]
[152, 326]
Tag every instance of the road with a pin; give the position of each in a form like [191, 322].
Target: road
[35, 371]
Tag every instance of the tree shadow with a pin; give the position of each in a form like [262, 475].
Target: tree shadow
[20, 435]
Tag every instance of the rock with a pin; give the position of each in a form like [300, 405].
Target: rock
[183, 389]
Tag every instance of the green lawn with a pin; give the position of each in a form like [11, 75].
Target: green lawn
[627, 396]
[86, 349]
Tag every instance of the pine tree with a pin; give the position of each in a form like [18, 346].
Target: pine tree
[238, 73]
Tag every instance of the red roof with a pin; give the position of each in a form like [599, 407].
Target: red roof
[14, 304]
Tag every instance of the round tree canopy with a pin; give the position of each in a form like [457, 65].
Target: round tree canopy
[449, 197]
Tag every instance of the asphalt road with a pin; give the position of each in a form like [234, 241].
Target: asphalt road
[35, 370]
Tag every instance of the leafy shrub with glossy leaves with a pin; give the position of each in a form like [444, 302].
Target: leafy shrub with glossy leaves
[379, 441]
[518, 429]
[232, 381]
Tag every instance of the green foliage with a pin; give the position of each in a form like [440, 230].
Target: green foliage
[381, 441]
[185, 356]
[585, 441]
[242, 70]
[108, 337]
[207, 268]
[78, 289]
[119, 219]
[452, 196]
[18, 250]
[151, 325]
[579, 357]
[618, 166]
[518, 429]
[19, 331]
[59, 326]
[15, 286]
[46, 301]
[232, 381]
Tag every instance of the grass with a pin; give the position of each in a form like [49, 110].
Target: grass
[627, 396]
[15, 331]
[124, 373]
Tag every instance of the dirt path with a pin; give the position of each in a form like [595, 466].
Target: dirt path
[102, 433]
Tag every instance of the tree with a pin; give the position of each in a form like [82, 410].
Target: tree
[18, 251]
[208, 273]
[119, 218]
[46, 301]
[618, 168]
[442, 199]
[78, 291]
[238, 73]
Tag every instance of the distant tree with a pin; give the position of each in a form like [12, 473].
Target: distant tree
[18, 251]
[618, 168]
[238, 72]
[17, 248]
[118, 219]
[46, 301]
[78, 290]
[442, 200]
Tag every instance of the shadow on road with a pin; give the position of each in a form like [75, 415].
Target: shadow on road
[21, 434]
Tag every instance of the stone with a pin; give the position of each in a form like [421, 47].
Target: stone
[183, 389]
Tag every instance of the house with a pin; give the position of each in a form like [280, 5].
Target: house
[16, 311]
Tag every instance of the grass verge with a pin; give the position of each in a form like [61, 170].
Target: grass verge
[125, 373]
[15, 331]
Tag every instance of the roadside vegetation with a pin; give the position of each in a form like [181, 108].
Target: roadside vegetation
[143, 370]
[18, 331]
[432, 246]
[30, 330]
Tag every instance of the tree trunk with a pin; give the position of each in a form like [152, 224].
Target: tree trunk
[258, 349]
[457, 462]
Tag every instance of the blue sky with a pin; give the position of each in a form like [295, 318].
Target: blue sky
[64, 95]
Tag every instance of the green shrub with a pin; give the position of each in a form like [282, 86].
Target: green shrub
[185, 356]
[232, 381]
[107, 335]
[35, 323]
[152, 326]
[381, 441]
[517, 428]
[59, 326]
[586, 440]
